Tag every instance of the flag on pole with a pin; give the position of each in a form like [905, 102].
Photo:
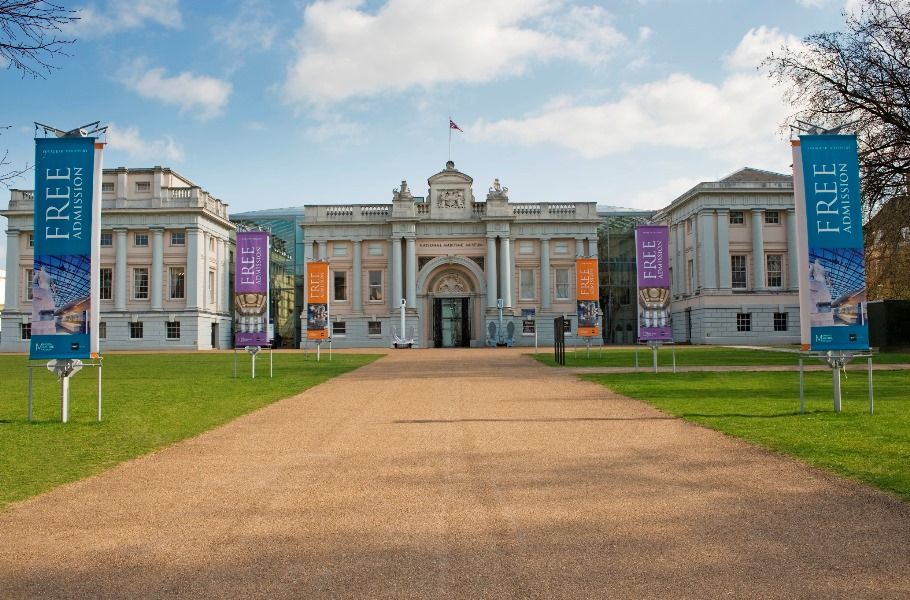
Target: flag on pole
[452, 125]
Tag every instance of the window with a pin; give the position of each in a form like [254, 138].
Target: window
[178, 238]
[567, 325]
[690, 269]
[528, 326]
[562, 247]
[107, 186]
[738, 271]
[375, 249]
[562, 284]
[375, 283]
[780, 321]
[689, 225]
[339, 249]
[141, 240]
[772, 217]
[212, 296]
[140, 283]
[737, 217]
[374, 327]
[176, 283]
[143, 186]
[526, 247]
[136, 330]
[29, 275]
[106, 290]
[172, 330]
[774, 274]
[339, 328]
[102, 330]
[107, 239]
[526, 284]
[25, 331]
[212, 244]
[30, 240]
[341, 286]
[743, 321]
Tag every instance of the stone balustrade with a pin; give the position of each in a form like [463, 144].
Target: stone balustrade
[193, 197]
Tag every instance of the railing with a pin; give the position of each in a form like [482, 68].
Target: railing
[478, 208]
[561, 209]
[180, 192]
[526, 209]
[339, 211]
[423, 209]
[375, 210]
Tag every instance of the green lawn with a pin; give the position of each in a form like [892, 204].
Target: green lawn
[150, 401]
[764, 408]
[689, 356]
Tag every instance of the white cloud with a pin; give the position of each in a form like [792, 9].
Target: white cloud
[202, 95]
[756, 45]
[644, 34]
[334, 128]
[345, 51]
[735, 121]
[163, 150]
[249, 30]
[120, 15]
[661, 195]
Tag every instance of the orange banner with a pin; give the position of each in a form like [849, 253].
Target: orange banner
[317, 297]
[587, 293]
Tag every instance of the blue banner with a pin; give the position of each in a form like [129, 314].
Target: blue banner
[834, 221]
[61, 283]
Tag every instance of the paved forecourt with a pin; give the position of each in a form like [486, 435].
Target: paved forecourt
[458, 474]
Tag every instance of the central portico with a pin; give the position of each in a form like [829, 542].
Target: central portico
[450, 257]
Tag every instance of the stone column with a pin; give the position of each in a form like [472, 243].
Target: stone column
[679, 239]
[545, 303]
[708, 255]
[579, 248]
[696, 254]
[157, 274]
[758, 249]
[411, 273]
[120, 276]
[505, 268]
[323, 249]
[204, 273]
[12, 270]
[490, 266]
[223, 278]
[193, 239]
[357, 278]
[725, 281]
[592, 248]
[792, 250]
[395, 288]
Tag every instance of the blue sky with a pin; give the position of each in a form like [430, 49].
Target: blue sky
[268, 104]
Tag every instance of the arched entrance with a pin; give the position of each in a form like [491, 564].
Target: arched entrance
[451, 302]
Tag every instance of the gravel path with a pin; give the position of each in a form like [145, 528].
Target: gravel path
[458, 474]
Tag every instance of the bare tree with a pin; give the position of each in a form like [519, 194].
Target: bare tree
[28, 35]
[859, 79]
[7, 173]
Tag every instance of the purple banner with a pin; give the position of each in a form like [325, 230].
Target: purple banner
[652, 255]
[251, 289]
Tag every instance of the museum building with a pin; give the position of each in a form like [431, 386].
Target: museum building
[454, 259]
[165, 265]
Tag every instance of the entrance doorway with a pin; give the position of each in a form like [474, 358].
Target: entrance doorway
[451, 323]
[215, 336]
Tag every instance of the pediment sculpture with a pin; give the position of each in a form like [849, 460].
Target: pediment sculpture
[402, 193]
[451, 283]
[498, 191]
[450, 199]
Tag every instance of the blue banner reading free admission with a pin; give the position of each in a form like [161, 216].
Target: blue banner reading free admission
[61, 283]
[837, 274]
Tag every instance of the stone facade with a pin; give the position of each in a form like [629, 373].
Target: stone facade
[450, 257]
[734, 269]
[165, 260]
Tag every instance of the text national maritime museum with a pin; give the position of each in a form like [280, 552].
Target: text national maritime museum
[458, 267]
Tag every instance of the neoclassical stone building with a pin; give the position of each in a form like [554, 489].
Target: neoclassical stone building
[451, 258]
[165, 264]
[734, 277]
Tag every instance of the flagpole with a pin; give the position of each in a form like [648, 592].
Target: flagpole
[450, 139]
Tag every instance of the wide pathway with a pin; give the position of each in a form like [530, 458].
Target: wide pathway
[458, 474]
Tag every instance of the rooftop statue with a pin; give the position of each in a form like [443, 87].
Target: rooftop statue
[498, 191]
[402, 193]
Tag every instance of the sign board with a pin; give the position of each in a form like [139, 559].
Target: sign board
[317, 298]
[528, 313]
[832, 262]
[587, 294]
[66, 272]
[652, 257]
[251, 289]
